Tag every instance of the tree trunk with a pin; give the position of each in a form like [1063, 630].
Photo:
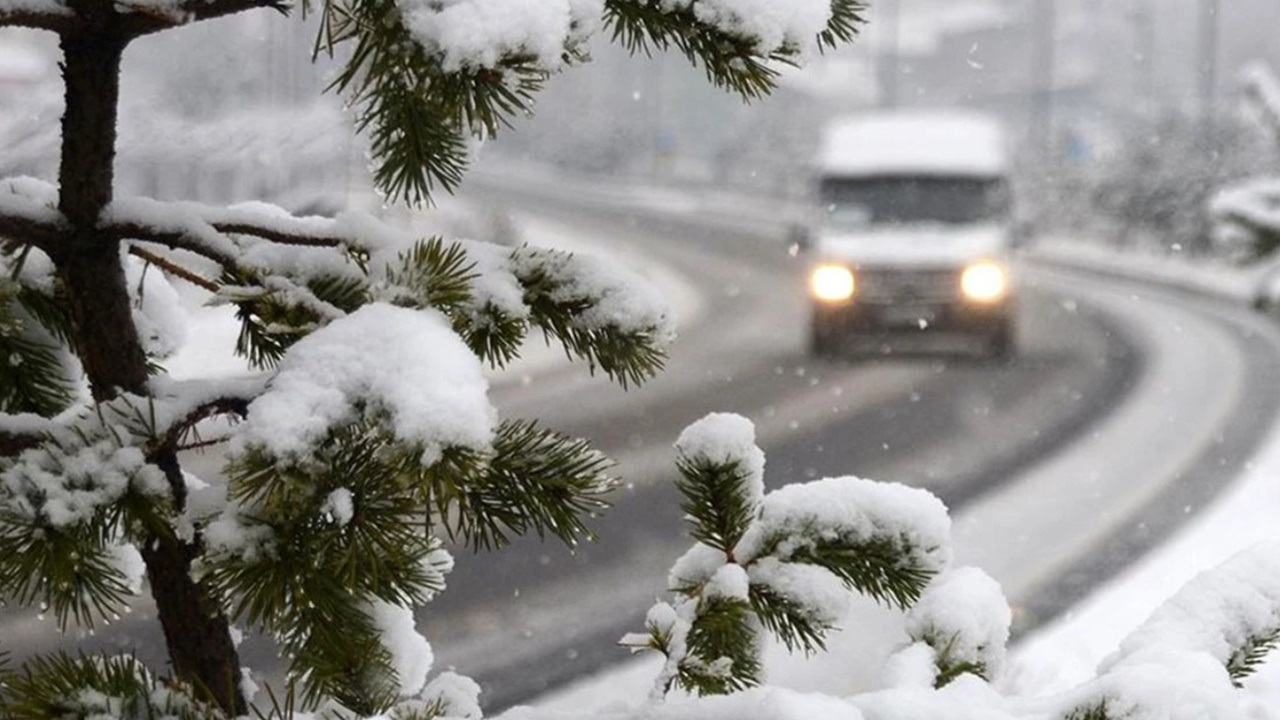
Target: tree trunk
[196, 630]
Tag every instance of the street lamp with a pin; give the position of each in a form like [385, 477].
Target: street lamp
[1208, 63]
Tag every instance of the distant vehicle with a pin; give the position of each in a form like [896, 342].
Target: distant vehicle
[912, 233]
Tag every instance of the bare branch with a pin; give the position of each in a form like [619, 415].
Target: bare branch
[174, 269]
[141, 21]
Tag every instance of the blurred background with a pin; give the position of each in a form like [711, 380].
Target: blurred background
[1128, 114]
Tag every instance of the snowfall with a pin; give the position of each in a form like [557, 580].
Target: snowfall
[1169, 664]
[1151, 643]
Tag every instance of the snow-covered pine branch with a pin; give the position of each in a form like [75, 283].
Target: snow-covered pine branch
[1191, 656]
[459, 70]
[787, 561]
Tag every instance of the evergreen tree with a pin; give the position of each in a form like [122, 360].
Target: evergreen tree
[368, 438]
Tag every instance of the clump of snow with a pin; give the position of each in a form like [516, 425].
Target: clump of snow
[495, 284]
[157, 309]
[437, 564]
[818, 595]
[230, 535]
[126, 559]
[1175, 685]
[83, 469]
[729, 582]
[1219, 612]
[696, 566]
[478, 34]
[967, 698]
[765, 703]
[618, 298]
[362, 365]
[411, 655]
[457, 696]
[723, 439]
[964, 617]
[768, 26]
[911, 667]
[851, 510]
[339, 506]
[30, 199]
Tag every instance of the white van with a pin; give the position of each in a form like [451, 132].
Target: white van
[911, 234]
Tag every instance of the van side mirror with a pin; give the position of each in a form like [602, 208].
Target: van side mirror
[799, 239]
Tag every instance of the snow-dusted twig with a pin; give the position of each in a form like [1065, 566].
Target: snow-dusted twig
[210, 232]
[147, 18]
[173, 268]
[30, 223]
[51, 15]
[230, 405]
[12, 443]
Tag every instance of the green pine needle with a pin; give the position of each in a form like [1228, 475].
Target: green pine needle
[879, 567]
[536, 481]
[1247, 658]
[433, 274]
[628, 356]
[787, 620]
[716, 502]
[33, 375]
[1096, 711]
[724, 654]
[95, 686]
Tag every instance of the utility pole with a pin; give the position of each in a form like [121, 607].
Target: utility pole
[1144, 47]
[1043, 78]
[1208, 63]
[890, 54]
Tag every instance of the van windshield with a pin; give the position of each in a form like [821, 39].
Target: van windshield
[858, 202]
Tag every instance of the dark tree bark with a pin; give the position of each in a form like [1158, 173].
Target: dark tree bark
[196, 629]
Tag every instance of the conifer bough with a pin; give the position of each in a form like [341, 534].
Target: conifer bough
[341, 485]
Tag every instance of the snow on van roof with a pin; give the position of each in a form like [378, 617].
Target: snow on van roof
[941, 142]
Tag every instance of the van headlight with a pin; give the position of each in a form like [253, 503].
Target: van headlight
[984, 282]
[832, 283]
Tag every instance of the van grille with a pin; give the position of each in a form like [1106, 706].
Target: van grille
[905, 285]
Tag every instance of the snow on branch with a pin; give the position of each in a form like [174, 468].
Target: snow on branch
[787, 562]
[211, 232]
[21, 431]
[28, 210]
[1261, 92]
[149, 16]
[51, 15]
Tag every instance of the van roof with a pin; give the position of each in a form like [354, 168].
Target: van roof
[935, 142]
